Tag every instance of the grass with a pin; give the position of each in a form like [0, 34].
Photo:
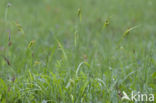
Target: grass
[76, 51]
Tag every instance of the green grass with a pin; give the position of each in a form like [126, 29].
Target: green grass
[76, 51]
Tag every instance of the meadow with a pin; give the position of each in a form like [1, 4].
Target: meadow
[76, 51]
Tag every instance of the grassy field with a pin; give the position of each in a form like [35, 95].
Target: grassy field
[76, 51]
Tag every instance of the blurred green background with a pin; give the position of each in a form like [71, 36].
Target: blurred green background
[52, 39]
